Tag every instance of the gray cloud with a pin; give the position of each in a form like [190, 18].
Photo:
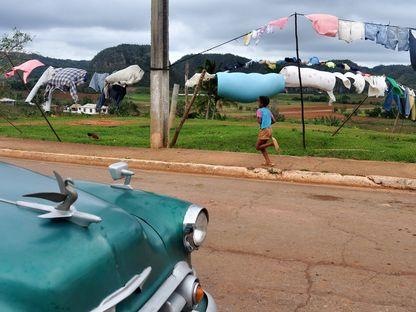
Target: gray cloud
[80, 29]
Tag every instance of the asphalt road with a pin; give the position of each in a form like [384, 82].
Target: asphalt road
[291, 247]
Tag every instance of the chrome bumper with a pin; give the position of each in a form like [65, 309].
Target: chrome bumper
[175, 294]
[211, 305]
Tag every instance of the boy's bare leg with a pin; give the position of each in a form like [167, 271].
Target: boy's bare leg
[265, 145]
[266, 157]
[261, 146]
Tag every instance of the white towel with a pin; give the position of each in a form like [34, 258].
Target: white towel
[46, 76]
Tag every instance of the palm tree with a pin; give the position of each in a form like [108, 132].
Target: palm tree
[210, 87]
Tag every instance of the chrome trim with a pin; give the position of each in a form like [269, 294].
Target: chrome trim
[110, 302]
[161, 296]
[211, 306]
[192, 214]
[118, 171]
[50, 212]
[189, 221]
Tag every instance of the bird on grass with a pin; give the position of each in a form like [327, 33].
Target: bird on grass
[93, 135]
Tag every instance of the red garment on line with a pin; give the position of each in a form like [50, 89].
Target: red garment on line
[324, 24]
[26, 67]
[281, 22]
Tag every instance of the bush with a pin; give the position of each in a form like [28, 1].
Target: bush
[276, 114]
[129, 108]
[345, 99]
[194, 115]
[327, 121]
[86, 100]
[280, 117]
[375, 112]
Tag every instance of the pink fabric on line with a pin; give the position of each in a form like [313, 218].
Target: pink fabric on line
[26, 67]
[324, 24]
[281, 22]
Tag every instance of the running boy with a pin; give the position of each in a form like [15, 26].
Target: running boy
[265, 119]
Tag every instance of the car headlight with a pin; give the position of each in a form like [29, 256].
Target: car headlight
[195, 226]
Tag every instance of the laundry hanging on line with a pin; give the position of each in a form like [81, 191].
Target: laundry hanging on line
[46, 76]
[377, 85]
[412, 105]
[324, 24]
[116, 93]
[350, 31]
[313, 61]
[412, 49]
[64, 79]
[193, 81]
[359, 81]
[247, 88]
[280, 23]
[391, 37]
[312, 78]
[26, 68]
[330, 64]
[125, 77]
[97, 82]
[266, 29]
[395, 86]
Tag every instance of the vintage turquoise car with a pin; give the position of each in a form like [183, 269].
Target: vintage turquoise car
[82, 246]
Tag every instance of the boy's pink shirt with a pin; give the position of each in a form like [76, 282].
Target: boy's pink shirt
[258, 113]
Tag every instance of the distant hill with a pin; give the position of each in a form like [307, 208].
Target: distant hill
[121, 56]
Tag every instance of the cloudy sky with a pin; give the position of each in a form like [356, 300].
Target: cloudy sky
[80, 29]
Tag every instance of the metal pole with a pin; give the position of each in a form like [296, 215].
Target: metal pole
[300, 81]
[37, 105]
[349, 116]
[159, 74]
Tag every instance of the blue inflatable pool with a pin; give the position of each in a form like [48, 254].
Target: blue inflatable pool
[247, 88]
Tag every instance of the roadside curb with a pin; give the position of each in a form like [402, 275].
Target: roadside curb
[273, 174]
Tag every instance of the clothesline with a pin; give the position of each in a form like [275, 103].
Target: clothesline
[348, 20]
[210, 49]
[262, 27]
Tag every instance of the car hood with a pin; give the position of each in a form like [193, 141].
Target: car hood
[48, 265]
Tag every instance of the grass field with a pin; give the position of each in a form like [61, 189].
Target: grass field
[228, 135]
[362, 138]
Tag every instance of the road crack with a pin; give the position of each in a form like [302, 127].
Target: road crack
[310, 263]
[309, 281]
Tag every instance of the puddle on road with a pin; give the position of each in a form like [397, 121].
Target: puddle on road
[325, 197]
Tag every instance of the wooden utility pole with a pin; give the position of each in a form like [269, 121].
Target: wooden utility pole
[159, 74]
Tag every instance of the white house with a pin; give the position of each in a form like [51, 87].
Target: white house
[75, 109]
[7, 101]
[89, 109]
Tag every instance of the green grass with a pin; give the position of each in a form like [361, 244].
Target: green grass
[236, 136]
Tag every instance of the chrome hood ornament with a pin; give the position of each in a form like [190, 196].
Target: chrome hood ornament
[66, 198]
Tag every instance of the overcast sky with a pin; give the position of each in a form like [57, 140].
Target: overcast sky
[80, 29]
